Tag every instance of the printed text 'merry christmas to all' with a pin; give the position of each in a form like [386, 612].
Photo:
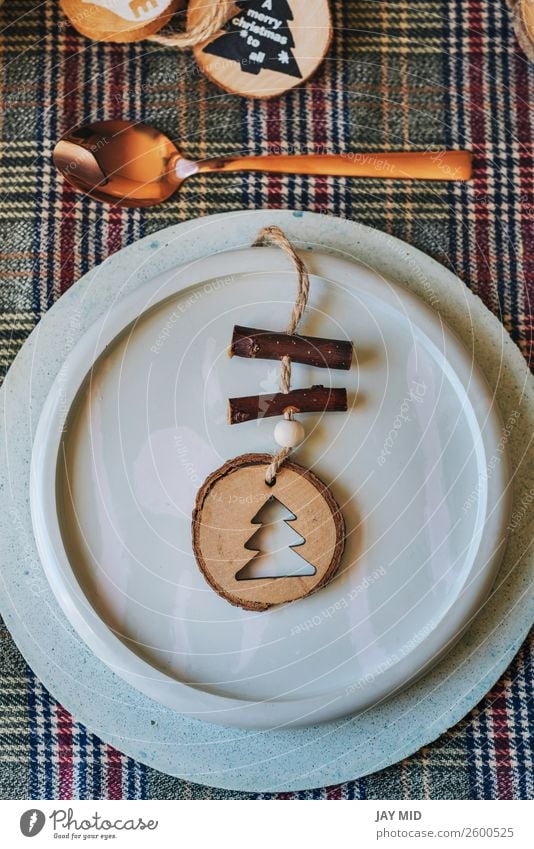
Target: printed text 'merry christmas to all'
[261, 31]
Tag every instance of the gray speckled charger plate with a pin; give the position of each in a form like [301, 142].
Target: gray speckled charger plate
[261, 760]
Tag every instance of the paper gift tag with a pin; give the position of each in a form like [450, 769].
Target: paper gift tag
[267, 46]
[119, 20]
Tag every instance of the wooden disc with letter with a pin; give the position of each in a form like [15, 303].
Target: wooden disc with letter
[119, 20]
[267, 46]
[226, 532]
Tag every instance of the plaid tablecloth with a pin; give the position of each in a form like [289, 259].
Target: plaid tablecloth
[400, 74]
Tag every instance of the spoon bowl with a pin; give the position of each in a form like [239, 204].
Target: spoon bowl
[129, 164]
[119, 162]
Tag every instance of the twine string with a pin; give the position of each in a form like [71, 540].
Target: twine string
[275, 236]
[215, 15]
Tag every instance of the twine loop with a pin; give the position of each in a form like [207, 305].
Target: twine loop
[216, 14]
[275, 236]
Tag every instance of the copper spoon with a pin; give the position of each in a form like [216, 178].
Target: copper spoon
[130, 164]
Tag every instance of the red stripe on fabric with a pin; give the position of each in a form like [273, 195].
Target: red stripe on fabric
[114, 82]
[320, 139]
[114, 230]
[69, 117]
[334, 792]
[501, 743]
[67, 238]
[114, 773]
[115, 108]
[65, 754]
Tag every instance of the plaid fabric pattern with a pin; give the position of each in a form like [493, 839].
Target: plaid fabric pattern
[437, 73]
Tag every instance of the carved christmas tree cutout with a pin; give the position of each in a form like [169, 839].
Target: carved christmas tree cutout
[266, 47]
[274, 545]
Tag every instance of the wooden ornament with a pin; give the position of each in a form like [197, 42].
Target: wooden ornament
[119, 20]
[225, 531]
[267, 47]
[523, 18]
[229, 518]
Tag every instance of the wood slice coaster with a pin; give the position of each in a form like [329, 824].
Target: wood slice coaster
[523, 19]
[267, 46]
[223, 524]
[119, 20]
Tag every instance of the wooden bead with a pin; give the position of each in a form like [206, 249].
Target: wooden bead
[289, 433]
[119, 20]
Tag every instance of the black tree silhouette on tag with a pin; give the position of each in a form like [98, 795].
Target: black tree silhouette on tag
[274, 543]
[259, 38]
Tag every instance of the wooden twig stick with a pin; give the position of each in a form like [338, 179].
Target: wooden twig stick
[259, 344]
[316, 399]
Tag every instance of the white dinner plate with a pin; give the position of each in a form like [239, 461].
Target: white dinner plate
[136, 419]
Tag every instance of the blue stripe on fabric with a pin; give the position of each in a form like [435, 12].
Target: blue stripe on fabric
[303, 112]
[39, 57]
[488, 746]
[101, 222]
[51, 111]
[523, 737]
[33, 738]
[82, 766]
[85, 91]
[528, 674]
[350, 790]
[500, 187]
[291, 180]
[258, 109]
[245, 146]
[343, 81]
[517, 746]
[49, 744]
[131, 60]
[450, 71]
[97, 768]
[460, 140]
[136, 69]
[508, 189]
[131, 774]
[471, 762]
[143, 780]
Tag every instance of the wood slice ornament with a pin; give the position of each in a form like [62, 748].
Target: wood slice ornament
[267, 46]
[230, 508]
[223, 519]
[120, 21]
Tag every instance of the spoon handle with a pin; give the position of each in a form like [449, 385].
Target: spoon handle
[419, 165]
